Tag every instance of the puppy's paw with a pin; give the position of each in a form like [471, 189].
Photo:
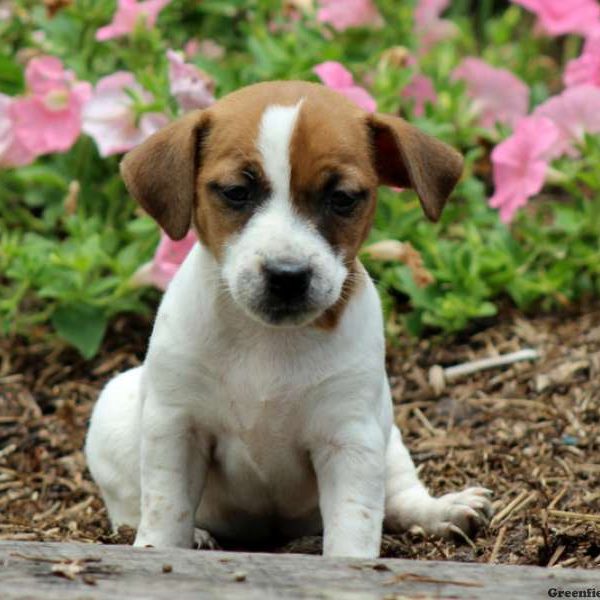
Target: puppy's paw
[203, 540]
[462, 514]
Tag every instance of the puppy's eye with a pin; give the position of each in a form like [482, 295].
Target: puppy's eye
[343, 203]
[237, 196]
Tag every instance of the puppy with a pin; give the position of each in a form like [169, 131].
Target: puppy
[263, 408]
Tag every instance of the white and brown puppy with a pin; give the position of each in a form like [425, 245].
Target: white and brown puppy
[263, 407]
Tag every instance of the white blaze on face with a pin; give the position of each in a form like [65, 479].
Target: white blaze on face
[276, 232]
[274, 137]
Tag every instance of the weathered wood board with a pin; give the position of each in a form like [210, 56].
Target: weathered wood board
[122, 572]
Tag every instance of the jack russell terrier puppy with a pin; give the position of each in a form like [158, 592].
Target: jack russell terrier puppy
[263, 408]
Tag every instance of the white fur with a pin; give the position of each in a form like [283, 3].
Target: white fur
[274, 136]
[278, 233]
[249, 431]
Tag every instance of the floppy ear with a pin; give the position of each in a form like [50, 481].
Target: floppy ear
[407, 157]
[161, 172]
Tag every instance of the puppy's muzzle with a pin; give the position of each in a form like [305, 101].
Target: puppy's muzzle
[286, 282]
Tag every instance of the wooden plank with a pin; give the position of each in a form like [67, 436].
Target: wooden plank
[119, 572]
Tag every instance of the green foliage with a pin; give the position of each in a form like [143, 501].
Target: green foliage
[70, 263]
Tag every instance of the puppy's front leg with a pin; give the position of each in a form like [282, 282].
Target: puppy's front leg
[351, 480]
[173, 470]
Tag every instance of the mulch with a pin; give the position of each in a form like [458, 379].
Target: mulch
[530, 432]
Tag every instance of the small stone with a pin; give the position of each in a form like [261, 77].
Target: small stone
[436, 379]
[89, 580]
[239, 576]
[569, 440]
[167, 568]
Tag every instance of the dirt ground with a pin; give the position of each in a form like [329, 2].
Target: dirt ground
[530, 432]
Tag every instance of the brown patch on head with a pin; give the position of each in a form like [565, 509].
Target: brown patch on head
[330, 153]
[231, 157]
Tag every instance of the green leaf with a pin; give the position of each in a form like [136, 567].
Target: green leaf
[81, 325]
[11, 76]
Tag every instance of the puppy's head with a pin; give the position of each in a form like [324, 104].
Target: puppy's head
[280, 179]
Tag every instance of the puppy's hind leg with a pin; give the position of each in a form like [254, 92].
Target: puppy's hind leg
[408, 502]
[112, 447]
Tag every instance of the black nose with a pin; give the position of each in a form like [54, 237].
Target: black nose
[287, 281]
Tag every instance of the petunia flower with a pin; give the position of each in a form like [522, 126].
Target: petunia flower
[420, 89]
[5, 124]
[338, 78]
[429, 27]
[558, 17]
[109, 117]
[207, 48]
[343, 14]
[129, 13]
[12, 152]
[6, 10]
[48, 118]
[167, 259]
[585, 69]
[498, 95]
[520, 164]
[190, 86]
[575, 112]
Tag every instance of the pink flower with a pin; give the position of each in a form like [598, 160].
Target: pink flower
[429, 28]
[520, 163]
[109, 117]
[191, 87]
[585, 69]
[498, 95]
[48, 118]
[12, 151]
[574, 112]
[5, 124]
[421, 90]
[129, 13]
[338, 78]
[46, 74]
[207, 48]
[558, 17]
[191, 48]
[343, 14]
[167, 259]
[6, 10]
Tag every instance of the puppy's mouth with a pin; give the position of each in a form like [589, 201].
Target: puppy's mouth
[287, 314]
[275, 312]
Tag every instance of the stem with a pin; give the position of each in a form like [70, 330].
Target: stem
[489, 363]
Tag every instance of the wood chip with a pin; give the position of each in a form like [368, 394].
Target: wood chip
[573, 516]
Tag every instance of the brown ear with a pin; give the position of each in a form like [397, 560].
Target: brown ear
[407, 157]
[161, 173]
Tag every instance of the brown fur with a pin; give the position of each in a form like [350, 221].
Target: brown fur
[407, 157]
[173, 173]
[161, 173]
